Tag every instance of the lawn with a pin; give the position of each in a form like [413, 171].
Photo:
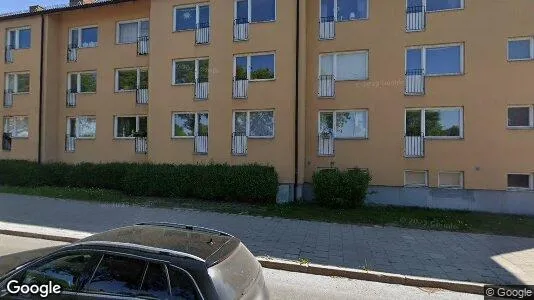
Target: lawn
[429, 219]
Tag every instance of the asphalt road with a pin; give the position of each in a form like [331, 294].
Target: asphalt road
[288, 285]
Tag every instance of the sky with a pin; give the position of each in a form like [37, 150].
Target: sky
[17, 5]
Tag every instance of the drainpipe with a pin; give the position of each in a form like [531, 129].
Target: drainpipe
[39, 143]
[297, 49]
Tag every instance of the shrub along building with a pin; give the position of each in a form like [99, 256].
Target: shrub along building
[433, 97]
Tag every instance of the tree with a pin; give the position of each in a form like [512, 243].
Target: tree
[263, 73]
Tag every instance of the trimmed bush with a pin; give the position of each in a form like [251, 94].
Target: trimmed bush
[341, 189]
[250, 183]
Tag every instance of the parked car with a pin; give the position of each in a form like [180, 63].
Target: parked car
[148, 261]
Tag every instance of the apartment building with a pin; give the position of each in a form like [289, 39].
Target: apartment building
[433, 97]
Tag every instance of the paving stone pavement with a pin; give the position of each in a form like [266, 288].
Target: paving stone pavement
[445, 255]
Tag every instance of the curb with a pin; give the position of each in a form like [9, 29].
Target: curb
[287, 265]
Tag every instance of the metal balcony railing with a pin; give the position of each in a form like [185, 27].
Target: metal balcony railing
[327, 28]
[241, 29]
[325, 145]
[239, 143]
[6, 141]
[8, 98]
[141, 145]
[240, 88]
[414, 146]
[327, 86]
[141, 96]
[415, 18]
[9, 53]
[202, 88]
[201, 144]
[202, 33]
[70, 143]
[72, 53]
[415, 82]
[71, 98]
[143, 45]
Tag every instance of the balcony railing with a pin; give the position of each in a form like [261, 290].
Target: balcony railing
[202, 88]
[327, 86]
[71, 98]
[241, 29]
[415, 82]
[414, 146]
[143, 45]
[327, 28]
[72, 53]
[240, 88]
[201, 144]
[202, 33]
[415, 18]
[141, 145]
[325, 146]
[9, 53]
[6, 141]
[70, 143]
[141, 96]
[8, 98]
[239, 144]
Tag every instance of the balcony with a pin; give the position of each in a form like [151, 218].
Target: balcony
[327, 86]
[9, 54]
[71, 99]
[414, 146]
[143, 45]
[201, 144]
[325, 144]
[8, 98]
[239, 144]
[141, 145]
[72, 53]
[202, 34]
[241, 29]
[141, 96]
[327, 28]
[6, 141]
[240, 88]
[70, 144]
[414, 82]
[415, 18]
[202, 89]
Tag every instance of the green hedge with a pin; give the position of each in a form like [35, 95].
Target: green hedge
[251, 183]
[341, 189]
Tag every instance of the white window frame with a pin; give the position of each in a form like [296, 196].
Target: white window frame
[197, 63]
[424, 3]
[334, 67]
[249, 13]
[423, 58]
[423, 122]
[336, 10]
[460, 173]
[531, 117]
[334, 131]
[416, 185]
[138, 84]
[117, 29]
[12, 118]
[197, 14]
[524, 38]
[16, 82]
[77, 118]
[531, 182]
[79, 81]
[195, 129]
[79, 41]
[249, 64]
[17, 33]
[247, 133]
[115, 125]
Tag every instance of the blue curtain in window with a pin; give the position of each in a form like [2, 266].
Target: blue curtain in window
[89, 37]
[204, 16]
[25, 39]
[351, 10]
[443, 60]
[186, 18]
[413, 59]
[327, 9]
[433, 5]
[519, 49]
[263, 10]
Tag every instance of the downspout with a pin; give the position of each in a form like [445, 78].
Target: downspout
[39, 140]
[295, 185]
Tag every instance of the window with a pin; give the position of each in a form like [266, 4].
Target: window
[443, 122]
[520, 181]
[18, 83]
[131, 79]
[130, 31]
[84, 82]
[83, 127]
[345, 66]
[190, 71]
[128, 126]
[415, 178]
[520, 49]
[255, 67]
[521, 116]
[190, 125]
[187, 17]
[19, 38]
[345, 10]
[254, 124]
[182, 285]
[436, 60]
[255, 11]
[155, 284]
[451, 179]
[16, 126]
[344, 124]
[84, 37]
[438, 5]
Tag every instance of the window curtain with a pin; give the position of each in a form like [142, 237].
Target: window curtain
[128, 32]
[327, 65]
[351, 66]
[145, 28]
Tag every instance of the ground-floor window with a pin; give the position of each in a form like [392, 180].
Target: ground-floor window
[190, 125]
[254, 124]
[16, 127]
[451, 179]
[130, 126]
[435, 122]
[520, 181]
[344, 124]
[415, 178]
[83, 127]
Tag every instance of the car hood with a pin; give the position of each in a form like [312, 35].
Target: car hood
[11, 261]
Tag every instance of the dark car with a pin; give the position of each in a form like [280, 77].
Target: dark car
[147, 261]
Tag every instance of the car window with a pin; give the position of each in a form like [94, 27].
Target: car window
[117, 275]
[182, 285]
[155, 284]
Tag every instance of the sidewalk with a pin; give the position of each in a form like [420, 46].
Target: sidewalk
[443, 255]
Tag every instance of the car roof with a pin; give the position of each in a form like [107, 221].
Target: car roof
[201, 243]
